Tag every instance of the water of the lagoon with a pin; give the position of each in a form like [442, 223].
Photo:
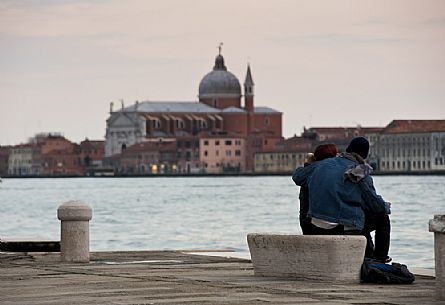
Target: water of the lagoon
[205, 212]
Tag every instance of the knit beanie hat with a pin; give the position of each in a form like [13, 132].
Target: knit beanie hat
[359, 145]
[324, 151]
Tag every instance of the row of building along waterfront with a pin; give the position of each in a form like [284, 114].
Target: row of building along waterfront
[223, 132]
[403, 146]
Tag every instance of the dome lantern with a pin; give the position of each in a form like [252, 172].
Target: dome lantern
[219, 82]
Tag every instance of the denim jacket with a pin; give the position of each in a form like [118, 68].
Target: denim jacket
[335, 198]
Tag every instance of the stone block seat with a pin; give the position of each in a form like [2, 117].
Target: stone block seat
[311, 257]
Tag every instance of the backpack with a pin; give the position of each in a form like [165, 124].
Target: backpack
[373, 271]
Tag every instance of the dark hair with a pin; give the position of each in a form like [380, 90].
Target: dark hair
[359, 145]
[324, 151]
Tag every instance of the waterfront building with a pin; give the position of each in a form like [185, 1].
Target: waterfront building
[4, 157]
[53, 154]
[92, 153]
[220, 154]
[149, 157]
[20, 162]
[218, 113]
[287, 155]
[291, 153]
[411, 146]
[340, 136]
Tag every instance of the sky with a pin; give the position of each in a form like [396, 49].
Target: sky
[321, 63]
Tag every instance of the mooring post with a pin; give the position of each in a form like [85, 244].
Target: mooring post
[437, 225]
[75, 231]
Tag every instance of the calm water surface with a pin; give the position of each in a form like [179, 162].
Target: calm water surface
[205, 212]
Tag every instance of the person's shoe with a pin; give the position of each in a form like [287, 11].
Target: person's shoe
[384, 260]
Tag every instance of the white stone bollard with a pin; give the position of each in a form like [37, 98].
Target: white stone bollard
[437, 225]
[75, 231]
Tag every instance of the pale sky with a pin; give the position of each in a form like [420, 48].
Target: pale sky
[321, 63]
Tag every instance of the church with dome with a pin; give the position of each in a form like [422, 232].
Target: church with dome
[221, 132]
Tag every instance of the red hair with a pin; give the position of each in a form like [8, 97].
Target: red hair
[324, 151]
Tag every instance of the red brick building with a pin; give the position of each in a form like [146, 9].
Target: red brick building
[218, 112]
[150, 157]
[4, 158]
[92, 153]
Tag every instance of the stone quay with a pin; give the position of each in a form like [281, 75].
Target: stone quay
[178, 277]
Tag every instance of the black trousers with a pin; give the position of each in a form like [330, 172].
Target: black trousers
[309, 229]
[381, 224]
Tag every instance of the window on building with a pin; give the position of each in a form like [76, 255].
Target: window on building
[156, 124]
[228, 142]
[237, 152]
[228, 153]
[217, 153]
[237, 142]
[205, 153]
[206, 142]
[217, 142]
[180, 124]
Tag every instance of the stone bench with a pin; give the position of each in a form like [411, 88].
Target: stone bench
[314, 257]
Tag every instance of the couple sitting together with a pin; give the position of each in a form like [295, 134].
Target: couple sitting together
[337, 196]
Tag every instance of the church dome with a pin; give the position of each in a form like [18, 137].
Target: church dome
[219, 82]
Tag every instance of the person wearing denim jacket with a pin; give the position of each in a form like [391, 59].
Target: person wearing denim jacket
[341, 191]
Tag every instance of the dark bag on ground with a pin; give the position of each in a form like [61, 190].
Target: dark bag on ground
[376, 272]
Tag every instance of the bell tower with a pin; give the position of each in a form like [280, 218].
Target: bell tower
[248, 91]
[248, 99]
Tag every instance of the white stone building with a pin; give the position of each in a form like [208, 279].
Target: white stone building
[410, 146]
[20, 161]
[123, 130]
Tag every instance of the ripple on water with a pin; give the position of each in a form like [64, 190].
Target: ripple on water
[207, 212]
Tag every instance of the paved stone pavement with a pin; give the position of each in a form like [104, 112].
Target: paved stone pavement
[173, 277]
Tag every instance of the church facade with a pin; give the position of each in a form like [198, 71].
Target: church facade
[215, 134]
